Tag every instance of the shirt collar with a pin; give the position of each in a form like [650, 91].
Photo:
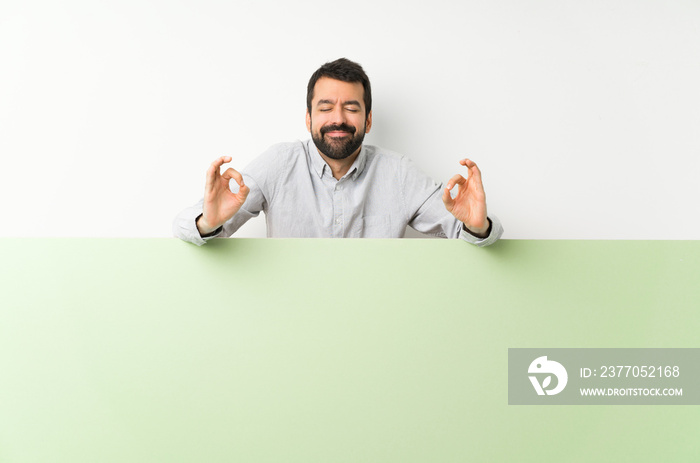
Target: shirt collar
[317, 162]
[320, 166]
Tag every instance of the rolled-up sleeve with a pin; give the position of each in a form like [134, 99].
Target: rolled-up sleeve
[494, 234]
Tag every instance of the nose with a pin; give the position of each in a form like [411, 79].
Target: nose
[338, 115]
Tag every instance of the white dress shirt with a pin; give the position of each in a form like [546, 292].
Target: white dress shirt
[381, 194]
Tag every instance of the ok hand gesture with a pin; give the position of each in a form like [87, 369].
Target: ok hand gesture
[469, 205]
[220, 204]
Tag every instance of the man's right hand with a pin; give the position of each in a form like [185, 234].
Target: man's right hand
[220, 204]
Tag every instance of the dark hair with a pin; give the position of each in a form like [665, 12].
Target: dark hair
[344, 70]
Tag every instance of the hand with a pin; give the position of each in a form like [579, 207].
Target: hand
[220, 204]
[469, 205]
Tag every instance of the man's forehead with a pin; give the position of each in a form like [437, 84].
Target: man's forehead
[332, 90]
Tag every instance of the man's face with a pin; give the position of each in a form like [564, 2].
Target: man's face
[337, 120]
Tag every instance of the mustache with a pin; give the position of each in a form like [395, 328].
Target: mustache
[338, 128]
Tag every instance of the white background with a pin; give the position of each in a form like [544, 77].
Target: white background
[584, 116]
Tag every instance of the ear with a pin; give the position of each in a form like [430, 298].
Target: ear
[368, 123]
[308, 120]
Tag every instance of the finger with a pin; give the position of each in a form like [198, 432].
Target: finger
[475, 174]
[447, 199]
[467, 162]
[217, 163]
[455, 180]
[243, 193]
[231, 173]
[213, 169]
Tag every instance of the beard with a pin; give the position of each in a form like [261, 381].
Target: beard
[338, 148]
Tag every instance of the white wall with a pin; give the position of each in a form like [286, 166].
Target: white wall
[583, 116]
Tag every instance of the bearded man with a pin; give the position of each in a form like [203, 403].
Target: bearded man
[334, 186]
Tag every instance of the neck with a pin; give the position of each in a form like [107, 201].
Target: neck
[340, 167]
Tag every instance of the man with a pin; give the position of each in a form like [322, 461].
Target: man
[333, 186]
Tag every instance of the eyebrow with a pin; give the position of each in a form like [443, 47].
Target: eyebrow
[345, 103]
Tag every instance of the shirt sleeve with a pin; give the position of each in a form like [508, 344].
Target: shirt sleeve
[494, 234]
[260, 176]
[423, 201]
[185, 227]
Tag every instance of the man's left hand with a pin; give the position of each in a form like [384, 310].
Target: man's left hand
[469, 205]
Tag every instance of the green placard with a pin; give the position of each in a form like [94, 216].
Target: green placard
[255, 350]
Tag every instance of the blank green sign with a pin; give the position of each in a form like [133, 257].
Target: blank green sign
[245, 350]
